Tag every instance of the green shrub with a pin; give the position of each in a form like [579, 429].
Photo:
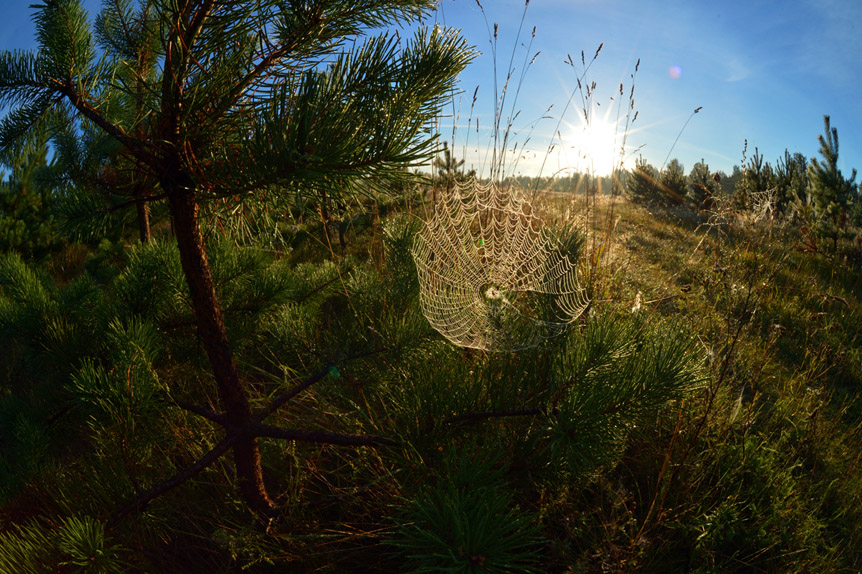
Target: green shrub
[467, 522]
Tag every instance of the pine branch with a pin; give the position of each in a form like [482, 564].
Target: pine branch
[265, 63]
[205, 412]
[135, 201]
[477, 416]
[135, 147]
[142, 500]
[253, 429]
[280, 400]
[320, 437]
[196, 25]
[20, 74]
[22, 120]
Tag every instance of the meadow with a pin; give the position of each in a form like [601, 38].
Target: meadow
[702, 416]
[219, 350]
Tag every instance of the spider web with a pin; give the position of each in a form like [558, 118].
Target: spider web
[491, 276]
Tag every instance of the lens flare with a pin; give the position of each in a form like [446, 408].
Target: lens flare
[675, 72]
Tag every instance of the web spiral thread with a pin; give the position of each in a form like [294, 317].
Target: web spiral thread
[491, 275]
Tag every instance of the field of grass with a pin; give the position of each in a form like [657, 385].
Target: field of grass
[703, 415]
[252, 372]
[759, 471]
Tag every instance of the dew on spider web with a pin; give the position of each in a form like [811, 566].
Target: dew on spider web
[491, 276]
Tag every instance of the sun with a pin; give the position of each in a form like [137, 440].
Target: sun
[593, 146]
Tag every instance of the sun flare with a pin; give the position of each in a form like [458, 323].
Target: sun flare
[593, 147]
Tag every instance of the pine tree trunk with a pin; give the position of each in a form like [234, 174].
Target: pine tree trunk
[184, 209]
[143, 219]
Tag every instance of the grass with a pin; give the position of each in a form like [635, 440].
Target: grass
[601, 451]
[755, 472]
[736, 450]
[760, 457]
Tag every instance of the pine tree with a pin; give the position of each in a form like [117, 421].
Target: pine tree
[831, 193]
[674, 183]
[643, 184]
[274, 96]
[103, 177]
[791, 177]
[648, 186]
[26, 199]
[729, 182]
[756, 182]
[447, 166]
[703, 185]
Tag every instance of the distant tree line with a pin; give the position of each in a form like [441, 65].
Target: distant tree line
[814, 194]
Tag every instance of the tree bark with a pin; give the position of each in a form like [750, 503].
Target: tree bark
[143, 219]
[210, 321]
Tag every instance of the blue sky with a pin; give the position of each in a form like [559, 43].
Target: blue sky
[763, 70]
